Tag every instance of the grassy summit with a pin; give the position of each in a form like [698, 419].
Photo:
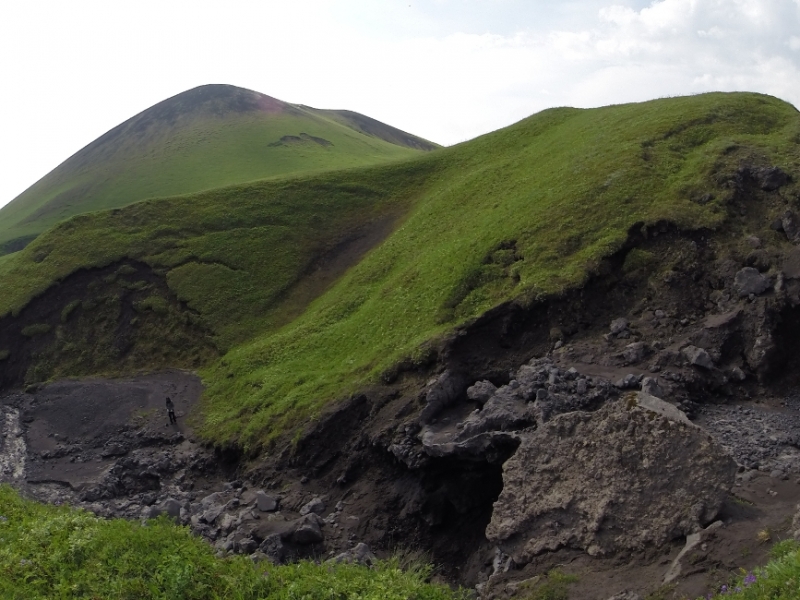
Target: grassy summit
[519, 214]
[207, 137]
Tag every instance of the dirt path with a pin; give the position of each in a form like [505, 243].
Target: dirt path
[60, 441]
[76, 429]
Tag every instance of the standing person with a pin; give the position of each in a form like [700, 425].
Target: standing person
[171, 412]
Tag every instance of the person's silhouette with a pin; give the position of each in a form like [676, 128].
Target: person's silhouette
[171, 412]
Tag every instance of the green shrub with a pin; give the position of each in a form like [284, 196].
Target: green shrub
[36, 329]
[133, 285]
[778, 580]
[637, 259]
[157, 304]
[67, 311]
[552, 586]
[126, 270]
[783, 548]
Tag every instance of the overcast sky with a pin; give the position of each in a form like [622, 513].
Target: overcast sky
[447, 70]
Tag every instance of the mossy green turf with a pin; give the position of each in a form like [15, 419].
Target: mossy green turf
[50, 552]
[207, 152]
[522, 213]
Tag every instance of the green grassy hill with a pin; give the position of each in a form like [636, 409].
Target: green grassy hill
[519, 214]
[207, 137]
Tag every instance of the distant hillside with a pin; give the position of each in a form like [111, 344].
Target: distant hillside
[310, 288]
[207, 137]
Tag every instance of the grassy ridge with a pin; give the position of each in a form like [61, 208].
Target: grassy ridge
[58, 552]
[203, 145]
[230, 253]
[520, 213]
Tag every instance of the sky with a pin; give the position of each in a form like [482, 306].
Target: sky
[446, 70]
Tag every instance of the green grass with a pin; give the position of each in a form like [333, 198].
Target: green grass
[554, 585]
[523, 213]
[206, 147]
[49, 552]
[36, 329]
[778, 580]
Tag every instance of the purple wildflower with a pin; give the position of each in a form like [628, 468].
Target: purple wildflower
[724, 589]
[749, 579]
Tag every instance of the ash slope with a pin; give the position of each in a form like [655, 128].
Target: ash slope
[207, 137]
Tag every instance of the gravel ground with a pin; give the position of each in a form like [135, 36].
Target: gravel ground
[763, 436]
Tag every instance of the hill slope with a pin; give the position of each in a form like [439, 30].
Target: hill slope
[521, 214]
[207, 137]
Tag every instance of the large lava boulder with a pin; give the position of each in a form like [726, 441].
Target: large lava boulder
[623, 477]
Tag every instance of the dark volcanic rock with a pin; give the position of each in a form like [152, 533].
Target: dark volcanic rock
[619, 328]
[629, 382]
[791, 264]
[315, 505]
[169, 507]
[620, 478]
[789, 225]
[698, 357]
[272, 547]
[265, 502]
[481, 391]
[360, 554]
[750, 281]
[771, 178]
[504, 411]
[307, 530]
[441, 393]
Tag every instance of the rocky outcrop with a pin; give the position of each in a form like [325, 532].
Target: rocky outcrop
[13, 449]
[622, 477]
[749, 282]
[360, 554]
[698, 357]
[440, 393]
[537, 393]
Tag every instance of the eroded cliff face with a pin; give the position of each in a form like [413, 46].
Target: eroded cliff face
[622, 478]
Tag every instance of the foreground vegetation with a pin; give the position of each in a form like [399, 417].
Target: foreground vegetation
[519, 214]
[49, 552]
[778, 580]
